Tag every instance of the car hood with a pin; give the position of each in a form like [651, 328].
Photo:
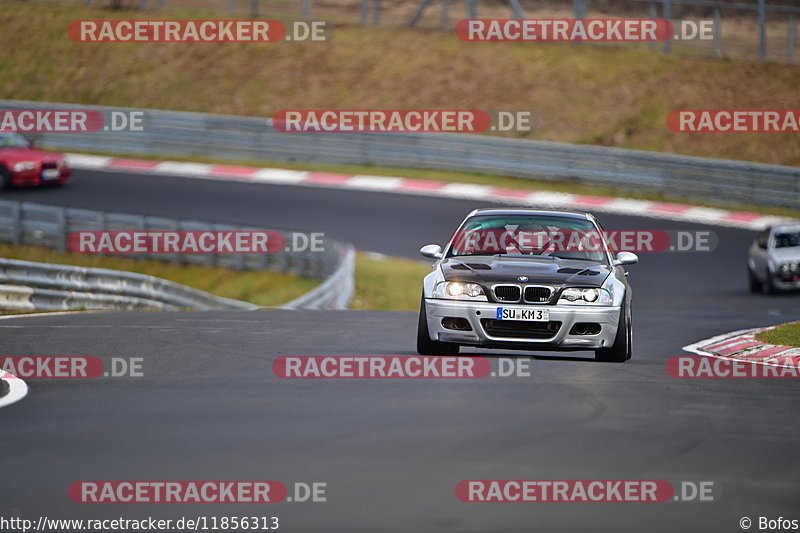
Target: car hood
[15, 155]
[785, 254]
[507, 269]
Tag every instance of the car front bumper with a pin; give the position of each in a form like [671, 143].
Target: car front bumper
[563, 339]
[783, 285]
[32, 178]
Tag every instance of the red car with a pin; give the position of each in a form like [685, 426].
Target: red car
[21, 164]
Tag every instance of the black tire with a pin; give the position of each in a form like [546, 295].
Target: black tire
[755, 285]
[769, 285]
[425, 346]
[622, 350]
[5, 178]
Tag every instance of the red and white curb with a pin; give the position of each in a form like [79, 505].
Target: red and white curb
[743, 346]
[524, 197]
[17, 389]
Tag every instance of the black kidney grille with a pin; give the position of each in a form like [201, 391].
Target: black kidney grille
[537, 294]
[507, 293]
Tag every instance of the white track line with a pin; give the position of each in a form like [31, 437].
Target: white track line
[17, 389]
[487, 193]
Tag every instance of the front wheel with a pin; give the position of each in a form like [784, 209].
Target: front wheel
[5, 178]
[425, 346]
[621, 351]
[755, 285]
[769, 285]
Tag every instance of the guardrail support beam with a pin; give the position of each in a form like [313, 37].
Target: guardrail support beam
[418, 15]
[376, 13]
[762, 30]
[667, 16]
[472, 7]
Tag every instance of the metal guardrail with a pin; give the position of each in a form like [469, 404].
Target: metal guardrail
[43, 286]
[235, 137]
[335, 292]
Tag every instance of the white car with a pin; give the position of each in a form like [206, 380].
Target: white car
[773, 260]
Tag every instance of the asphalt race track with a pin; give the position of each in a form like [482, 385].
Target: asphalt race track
[392, 451]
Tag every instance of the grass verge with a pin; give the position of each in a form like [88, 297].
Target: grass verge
[388, 283]
[610, 96]
[784, 335]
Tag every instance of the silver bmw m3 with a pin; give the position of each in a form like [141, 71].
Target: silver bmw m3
[527, 279]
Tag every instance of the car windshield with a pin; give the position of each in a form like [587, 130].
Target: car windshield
[13, 140]
[529, 235]
[787, 239]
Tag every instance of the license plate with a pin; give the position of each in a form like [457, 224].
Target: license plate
[50, 174]
[529, 315]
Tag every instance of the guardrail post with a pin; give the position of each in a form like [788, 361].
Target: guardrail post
[418, 15]
[579, 8]
[142, 5]
[667, 15]
[790, 37]
[141, 225]
[516, 9]
[100, 221]
[762, 30]
[174, 226]
[376, 14]
[306, 8]
[231, 6]
[445, 14]
[717, 33]
[363, 6]
[61, 222]
[16, 228]
[161, 4]
[472, 7]
[653, 15]
[579, 11]
[253, 8]
[238, 261]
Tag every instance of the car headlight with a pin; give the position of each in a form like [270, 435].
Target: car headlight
[24, 165]
[576, 295]
[458, 290]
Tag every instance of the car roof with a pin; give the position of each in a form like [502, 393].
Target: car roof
[528, 211]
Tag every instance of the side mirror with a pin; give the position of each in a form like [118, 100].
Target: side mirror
[626, 258]
[433, 251]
